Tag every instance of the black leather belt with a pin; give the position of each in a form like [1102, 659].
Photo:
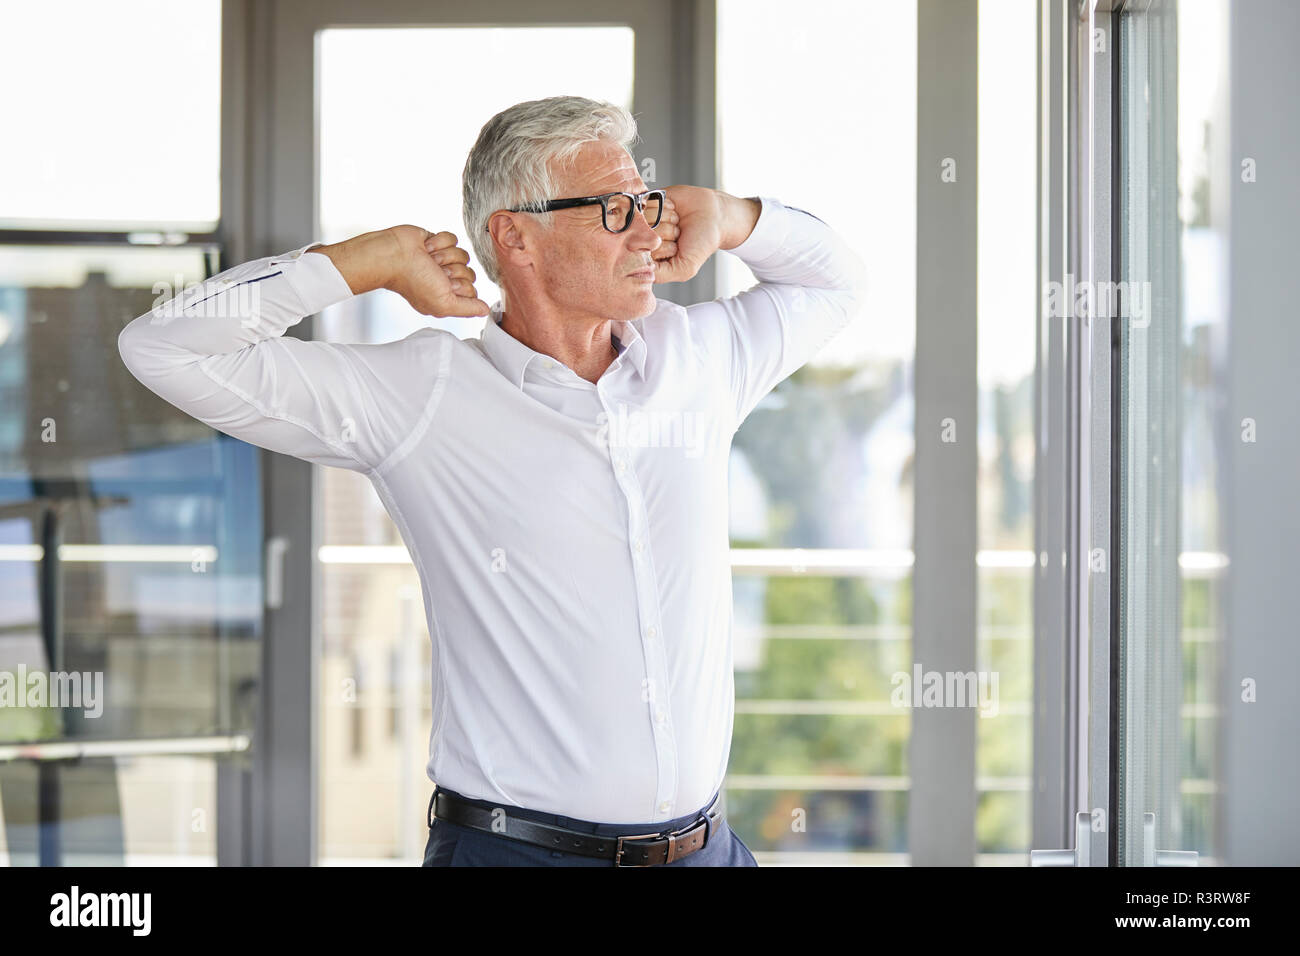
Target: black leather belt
[632, 849]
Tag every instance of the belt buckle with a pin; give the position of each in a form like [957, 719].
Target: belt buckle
[674, 841]
[618, 847]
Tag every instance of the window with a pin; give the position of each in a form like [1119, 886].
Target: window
[130, 534]
[821, 471]
[125, 142]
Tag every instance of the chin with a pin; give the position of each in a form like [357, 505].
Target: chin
[624, 305]
[646, 303]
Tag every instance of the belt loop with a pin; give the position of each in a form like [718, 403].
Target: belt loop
[428, 815]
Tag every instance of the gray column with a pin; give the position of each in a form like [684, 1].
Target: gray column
[941, 814]
[1260, 771]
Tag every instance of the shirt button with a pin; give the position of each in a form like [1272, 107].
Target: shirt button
[659, 714]
[651, 632]
[550, 364]
[621, 465]
[665, 807]
[640, 546]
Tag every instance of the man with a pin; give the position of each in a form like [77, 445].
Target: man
[560, 481]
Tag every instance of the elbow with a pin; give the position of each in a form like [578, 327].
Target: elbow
[129, 347]
[140, 351]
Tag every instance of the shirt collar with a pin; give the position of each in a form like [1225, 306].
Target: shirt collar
[511, 357]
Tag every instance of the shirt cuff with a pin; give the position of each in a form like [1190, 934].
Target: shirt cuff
[315, 278]
[768, 237]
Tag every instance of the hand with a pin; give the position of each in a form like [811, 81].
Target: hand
[696, 223]
[432, 273]
[691, 230]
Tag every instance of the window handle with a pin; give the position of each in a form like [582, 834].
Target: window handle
[1153, 857]
[1079, 856]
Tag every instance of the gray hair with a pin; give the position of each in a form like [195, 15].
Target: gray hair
[509, 164]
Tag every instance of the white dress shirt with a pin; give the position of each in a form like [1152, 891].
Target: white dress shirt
[571, 538]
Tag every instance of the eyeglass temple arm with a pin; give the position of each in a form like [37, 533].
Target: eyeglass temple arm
[551, 205]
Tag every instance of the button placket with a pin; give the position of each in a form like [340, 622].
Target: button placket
[656, 665]
[656, 672]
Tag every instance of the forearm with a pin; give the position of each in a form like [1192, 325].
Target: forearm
[242, 306]
[366, 262]
[219, 354]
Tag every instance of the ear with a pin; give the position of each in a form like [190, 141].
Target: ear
[508, 239]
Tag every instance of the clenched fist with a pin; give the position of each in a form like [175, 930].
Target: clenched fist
[433, 273]
[425, 268]
[696, 223]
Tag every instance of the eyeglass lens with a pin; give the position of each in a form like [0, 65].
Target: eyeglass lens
[618, 212]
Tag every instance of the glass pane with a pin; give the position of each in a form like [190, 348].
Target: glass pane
[144, 149]
[125, 811]
[379, 169]
[1150, 681]
[1202, 126]
[824, 463]
[1173, 83]
[130, 559]
[1007, 312]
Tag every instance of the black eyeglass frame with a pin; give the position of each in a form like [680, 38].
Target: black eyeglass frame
[638, 205]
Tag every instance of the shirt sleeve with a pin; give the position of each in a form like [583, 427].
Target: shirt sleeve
[811, 287]
[218, 352]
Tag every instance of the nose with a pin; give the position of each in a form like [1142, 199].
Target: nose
[641, 235]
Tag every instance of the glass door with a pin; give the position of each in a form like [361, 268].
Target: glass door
[130, 534]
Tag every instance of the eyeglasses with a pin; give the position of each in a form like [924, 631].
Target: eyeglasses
[616, 209]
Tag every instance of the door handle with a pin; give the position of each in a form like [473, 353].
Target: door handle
[275, 548]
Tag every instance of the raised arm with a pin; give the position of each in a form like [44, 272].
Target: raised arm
[811, 285]
[218, 352]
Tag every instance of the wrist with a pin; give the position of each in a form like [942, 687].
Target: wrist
[739, 216]
[365, 261]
